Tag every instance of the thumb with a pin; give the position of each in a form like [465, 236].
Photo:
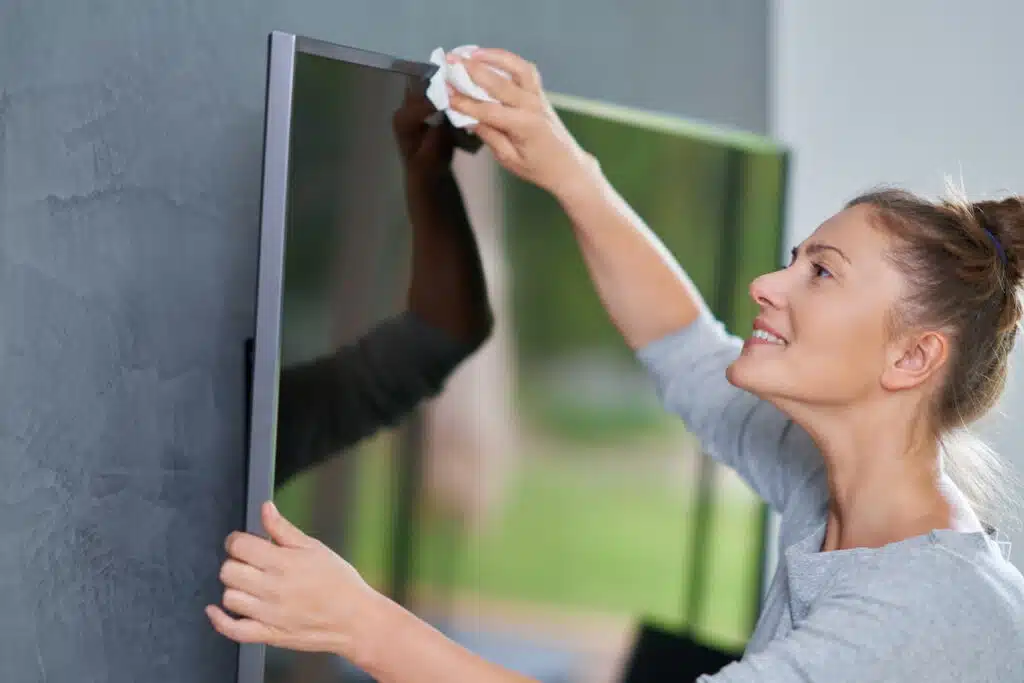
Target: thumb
[281, 531]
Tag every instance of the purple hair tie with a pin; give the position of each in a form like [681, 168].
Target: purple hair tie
[997, 244]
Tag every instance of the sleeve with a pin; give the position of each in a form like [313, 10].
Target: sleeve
[901, 627]
[768, 450]
[846, 640]
[335, 401]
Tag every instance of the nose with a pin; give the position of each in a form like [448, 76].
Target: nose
[767, 290]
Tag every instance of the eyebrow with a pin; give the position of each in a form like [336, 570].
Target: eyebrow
[818, 247]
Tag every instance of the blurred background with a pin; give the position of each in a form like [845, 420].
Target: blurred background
[130, 142]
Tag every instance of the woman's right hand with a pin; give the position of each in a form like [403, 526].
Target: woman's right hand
[630, 267]
[522, 130]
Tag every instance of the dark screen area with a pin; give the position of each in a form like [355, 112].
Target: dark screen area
[346, 274]
[347, 233]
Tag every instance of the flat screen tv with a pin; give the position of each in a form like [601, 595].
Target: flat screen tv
[522, 518]
[333, 248]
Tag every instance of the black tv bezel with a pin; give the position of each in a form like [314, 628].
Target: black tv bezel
[263, 350]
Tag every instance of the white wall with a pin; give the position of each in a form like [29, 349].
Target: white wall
[902, 91]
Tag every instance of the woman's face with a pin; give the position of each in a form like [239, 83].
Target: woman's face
[822, 336]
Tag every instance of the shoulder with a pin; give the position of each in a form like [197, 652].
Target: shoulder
[944, 583]
[930, 609]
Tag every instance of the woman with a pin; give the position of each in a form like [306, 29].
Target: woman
[886, 335]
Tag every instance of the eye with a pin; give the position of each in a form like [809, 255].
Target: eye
[821, 271]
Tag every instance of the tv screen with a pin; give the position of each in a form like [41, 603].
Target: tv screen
[334, 275]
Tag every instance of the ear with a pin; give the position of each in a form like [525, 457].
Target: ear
[914, 360]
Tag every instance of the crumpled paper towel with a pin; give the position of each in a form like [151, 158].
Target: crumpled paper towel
[458, 77]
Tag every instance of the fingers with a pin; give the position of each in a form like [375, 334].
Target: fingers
[244, 577]
[412, 113]
[499, 144]
[243, 604]
[508, 120]
[239, 630]
[437, 143]
[281, 531]
[500, 88]
[522, 72]
[249, 549]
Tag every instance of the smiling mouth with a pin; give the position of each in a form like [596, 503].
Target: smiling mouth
[765, 337]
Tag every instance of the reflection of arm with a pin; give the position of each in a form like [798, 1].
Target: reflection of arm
[335, 401]
[447, 288]
[767, 449]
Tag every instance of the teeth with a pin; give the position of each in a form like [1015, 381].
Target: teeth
[768, 337]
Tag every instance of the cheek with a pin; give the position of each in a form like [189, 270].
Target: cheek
[843, 350]
[834, 358]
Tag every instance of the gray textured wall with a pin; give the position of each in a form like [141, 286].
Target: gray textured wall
[130, 138]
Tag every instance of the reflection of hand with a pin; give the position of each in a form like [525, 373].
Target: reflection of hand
[522, 129]
[426, 150]
[291, 592]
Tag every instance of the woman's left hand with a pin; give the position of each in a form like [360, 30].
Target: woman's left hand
[291, 591]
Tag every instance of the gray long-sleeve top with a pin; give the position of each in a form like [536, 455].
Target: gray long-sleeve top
[945, 607]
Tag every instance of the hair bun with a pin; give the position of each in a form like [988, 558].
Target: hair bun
[1003, 219]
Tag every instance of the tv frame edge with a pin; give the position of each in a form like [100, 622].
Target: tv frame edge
[263, 350]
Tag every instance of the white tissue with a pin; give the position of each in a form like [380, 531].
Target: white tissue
[458, 77]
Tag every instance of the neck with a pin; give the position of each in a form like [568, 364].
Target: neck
[885, 482]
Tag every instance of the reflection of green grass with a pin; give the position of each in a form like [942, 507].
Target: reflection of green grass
[582, 424]
[574, 537]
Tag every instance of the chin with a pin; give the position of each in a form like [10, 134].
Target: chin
[748, 374]
[781, 385]
[737, 373]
